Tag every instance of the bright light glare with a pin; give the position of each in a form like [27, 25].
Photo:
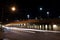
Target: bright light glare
[7, 24]
[54, 26]
[3, 26]
[28, 16]
[40, 26]
[13, 8]
[46, 26]
[14, 28]
[24, 29]
[40, 8]
[47, 12]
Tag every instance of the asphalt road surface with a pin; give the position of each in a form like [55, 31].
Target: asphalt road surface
[30, 35]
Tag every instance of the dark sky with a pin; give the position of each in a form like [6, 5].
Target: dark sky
[31, 7]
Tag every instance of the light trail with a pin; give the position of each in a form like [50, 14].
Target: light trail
[30, 30]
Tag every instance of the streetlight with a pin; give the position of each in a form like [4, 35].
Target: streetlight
[28, 16]
[48, 14]
[41, 8]
[13, 8]
[13, 11]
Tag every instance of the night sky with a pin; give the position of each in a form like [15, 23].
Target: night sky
[31, 7]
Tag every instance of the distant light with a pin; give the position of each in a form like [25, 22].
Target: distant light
[54, 26]
[40, 8]
[17, 20]
[46, 26]
[7, 19]
[40, 26]
[28, 16]
[13, 8]
[7, 24]
[36, 18]
[48, 13]
[59, 16]
[3, 26]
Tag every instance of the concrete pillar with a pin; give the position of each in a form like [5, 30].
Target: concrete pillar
[26, 25]
[51, 27]
[44, 26]
[20, 26]
[38, 26]
[47, 27]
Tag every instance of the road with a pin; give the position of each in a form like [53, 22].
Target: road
[30, 35]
